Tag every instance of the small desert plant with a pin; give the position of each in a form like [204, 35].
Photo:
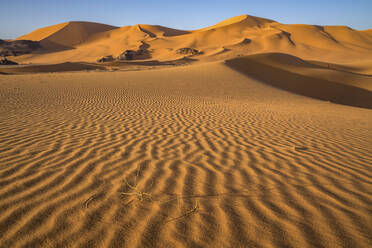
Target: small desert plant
[140, 195]
[135, 189]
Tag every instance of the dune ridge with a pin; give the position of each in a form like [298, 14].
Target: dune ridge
[69, 34]
[241, 35]
[244, 20]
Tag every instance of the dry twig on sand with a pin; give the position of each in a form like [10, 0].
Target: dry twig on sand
[141, 195]
[88, 201]
[136, 191]
[188, 213]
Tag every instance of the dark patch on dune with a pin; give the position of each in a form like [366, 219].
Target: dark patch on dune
[63, 67]
[18, 47]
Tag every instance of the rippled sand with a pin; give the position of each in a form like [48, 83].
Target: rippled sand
[198, 156]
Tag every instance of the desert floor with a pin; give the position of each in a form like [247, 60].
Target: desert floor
[191, 156]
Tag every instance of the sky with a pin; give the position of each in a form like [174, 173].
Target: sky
[19, 17]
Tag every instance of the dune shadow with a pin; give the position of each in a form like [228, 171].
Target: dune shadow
[62, 67]
[337, 67]
[302, 85]
[167, 32]
[153, 62]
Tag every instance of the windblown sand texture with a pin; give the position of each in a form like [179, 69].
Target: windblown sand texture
[265, 150]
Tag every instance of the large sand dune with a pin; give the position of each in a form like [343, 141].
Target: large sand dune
[242, 35]
[262, 140]
[68, 35]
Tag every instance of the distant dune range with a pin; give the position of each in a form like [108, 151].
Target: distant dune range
[240, 35]
[339, 58]
[261, 139]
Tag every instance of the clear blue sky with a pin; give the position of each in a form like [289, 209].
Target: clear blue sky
[19, 17]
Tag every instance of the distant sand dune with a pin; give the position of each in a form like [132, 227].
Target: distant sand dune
[196, 156]
[243, 20]
[67, 34]
[241, 35]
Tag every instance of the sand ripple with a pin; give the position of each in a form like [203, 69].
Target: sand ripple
[154, 159]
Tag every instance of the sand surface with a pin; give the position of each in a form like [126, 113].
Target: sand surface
[263, 139]
[196, 156]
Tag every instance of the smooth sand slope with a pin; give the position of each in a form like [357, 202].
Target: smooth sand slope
[66, 35]
[309, 79]
[196, 156]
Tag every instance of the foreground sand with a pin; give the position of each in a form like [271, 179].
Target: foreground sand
[197, 156]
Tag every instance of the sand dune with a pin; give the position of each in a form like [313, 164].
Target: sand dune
[156, 30]
[67, 34]
[243, 20]
[43, 33]
[241, 35]
[262, 139]
[358, 67]
[298, 76]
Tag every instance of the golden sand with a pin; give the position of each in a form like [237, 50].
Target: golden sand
[265, 150]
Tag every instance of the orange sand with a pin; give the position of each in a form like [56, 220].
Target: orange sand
[271, 148]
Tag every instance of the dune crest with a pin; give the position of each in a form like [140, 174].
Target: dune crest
[67, 34]
[243, 20]
[43, 33]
